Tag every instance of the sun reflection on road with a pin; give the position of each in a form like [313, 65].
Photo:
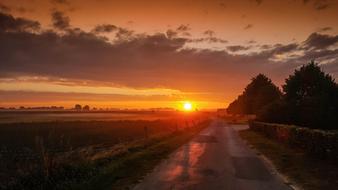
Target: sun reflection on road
[185, 160]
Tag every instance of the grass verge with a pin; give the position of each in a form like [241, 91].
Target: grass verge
[307, 172]
[128, 169]
[124, 171]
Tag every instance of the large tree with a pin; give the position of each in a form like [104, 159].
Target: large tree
[312, 94]
[259, 93]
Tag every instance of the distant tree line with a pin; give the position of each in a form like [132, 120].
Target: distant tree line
[78, 107]
[309, 98]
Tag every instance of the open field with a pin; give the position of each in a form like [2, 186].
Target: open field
[63, 154]
[303, 170]
[48, 116]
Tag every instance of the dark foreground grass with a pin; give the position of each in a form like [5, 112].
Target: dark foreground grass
[307, 172]
[125, 171]
[117, 171]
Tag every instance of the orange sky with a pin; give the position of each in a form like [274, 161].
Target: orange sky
[147, 67]
[273, 21]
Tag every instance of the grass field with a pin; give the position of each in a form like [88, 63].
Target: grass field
[71, 115]
[305, 171]
[84, 154]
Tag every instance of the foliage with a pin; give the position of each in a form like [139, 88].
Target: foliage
[310, 99]
[259, 93]
[313, 96]
[308, 81]
[277, 112]
[237, 106]
[78, 107]
[86, 108]
[323, 144]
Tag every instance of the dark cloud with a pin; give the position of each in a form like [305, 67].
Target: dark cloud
[325, 29]
[321, 4]
[320, 55]
[219, 40]
[10, 24]
[209, 33]
[142, 60]
[247, 27]
[60, 21]
[124, 34]
[320, 41]
[270, 52]
[4, 8]
[265, 46]
[280, 48]
[105, 28]
[236, 48]
[183, 28]
[171, 33]
[208, 40]
[252, 42]
[74, 55]
[120, 33]
[318, 4]
[64, 2]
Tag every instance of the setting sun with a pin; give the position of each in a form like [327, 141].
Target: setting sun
[187, 106]
[183, 88]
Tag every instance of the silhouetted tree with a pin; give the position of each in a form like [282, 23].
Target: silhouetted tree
[78, 107]
[312, 96]
[237, 106]
[86, 108]
[259, 93]
[277, 112]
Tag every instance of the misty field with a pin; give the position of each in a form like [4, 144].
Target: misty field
[48, 116]
[64, 154]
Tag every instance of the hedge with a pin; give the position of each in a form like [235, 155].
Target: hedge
[323, 144]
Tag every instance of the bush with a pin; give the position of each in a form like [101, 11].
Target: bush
[319, 143]
[277, 112]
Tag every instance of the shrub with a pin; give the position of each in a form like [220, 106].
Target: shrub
[319, 143]
[277, 112]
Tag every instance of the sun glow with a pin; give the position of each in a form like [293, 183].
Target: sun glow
[187, 106]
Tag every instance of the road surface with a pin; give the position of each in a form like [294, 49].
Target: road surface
[215, 159]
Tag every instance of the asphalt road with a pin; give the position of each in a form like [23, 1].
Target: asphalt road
[215, 159]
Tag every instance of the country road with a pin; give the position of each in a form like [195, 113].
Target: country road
[215, 159]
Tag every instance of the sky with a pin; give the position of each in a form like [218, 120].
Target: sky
[156, 53]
